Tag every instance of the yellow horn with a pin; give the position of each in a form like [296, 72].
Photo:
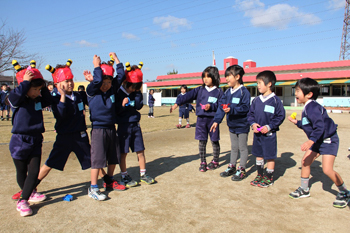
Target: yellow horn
[16, 65]
[50, 68]
[32, 63]
[111, 62]
[69, 62]
[140, 65]
[128, 67]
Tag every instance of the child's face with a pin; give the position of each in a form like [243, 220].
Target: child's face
[232, 81]
[299, 95]
[68, 86]
[183, 90]
[34, 92]
[262, 87]
[106, 85]
[130, 89]
[4, 88]
[50, 87]
[207, 80]
[151, 92]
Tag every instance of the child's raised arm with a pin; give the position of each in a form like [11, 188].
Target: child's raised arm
[19, 93]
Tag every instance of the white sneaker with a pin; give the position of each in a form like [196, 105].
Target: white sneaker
[36, 197]
[96, 194]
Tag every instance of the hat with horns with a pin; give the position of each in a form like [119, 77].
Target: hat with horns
[133, 74]
[62, 73]
[21, 71]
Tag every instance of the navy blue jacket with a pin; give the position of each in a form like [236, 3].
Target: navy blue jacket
[267, 111]
[102, 105]
[69, 115]
[239, 103]
[316, 123]
[150, 100]
[27, 117]
[128, 113]
[202, 97]
[3, 97]
[186, 106]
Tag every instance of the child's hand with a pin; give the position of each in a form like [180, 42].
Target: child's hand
[61, 88]
[115, 58]
[307, 145]
[88, 76]
[173, 108]
[227, 110]
[213, 127]
[96, 61]
[255, 127]
[294, 121]
[125, 101]
[264, 130]
[207, 107]
[28, 76]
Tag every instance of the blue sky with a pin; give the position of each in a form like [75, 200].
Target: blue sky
[179, 35]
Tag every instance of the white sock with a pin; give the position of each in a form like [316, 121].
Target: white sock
[142, 172]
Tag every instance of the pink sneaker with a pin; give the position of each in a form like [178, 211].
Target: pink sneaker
[36, 197]
[178, 126]
[23, 208]
[188, 126]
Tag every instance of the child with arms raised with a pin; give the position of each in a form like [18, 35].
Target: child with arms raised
[206, 97]
[323, 140]
[235, 103]
[265, 115]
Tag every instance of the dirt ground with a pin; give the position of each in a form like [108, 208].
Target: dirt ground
[183, 199]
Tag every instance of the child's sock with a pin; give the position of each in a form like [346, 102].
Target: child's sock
[202, 150]
[260, 166]
[142, 172]
[124, 174]
[180, 121]
[216, 150]
[107, 179]
[188, 121]
[94, 186]
[304, 183]
[269, 173]
[342, 188]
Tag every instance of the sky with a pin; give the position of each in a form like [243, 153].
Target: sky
[180, 35]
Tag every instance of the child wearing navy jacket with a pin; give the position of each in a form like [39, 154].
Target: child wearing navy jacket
[265, 115]
[4, 108]
[184, 110]
[207, 97]
[104, 139]
[27, 101]
[235, 103]
[151, 103]
[128, 102]
[323, 140]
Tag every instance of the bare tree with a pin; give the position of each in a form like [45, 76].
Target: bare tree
[11, 48]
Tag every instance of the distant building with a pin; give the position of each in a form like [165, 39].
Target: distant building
[8, 80]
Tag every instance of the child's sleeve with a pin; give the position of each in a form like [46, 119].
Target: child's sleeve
[138, 100]
[46, 99]
[96, 83]
[220, 114]
[251, 113]
[279, 116]
[188, 98]
[242, 108]
[18, 94]
[314, 115]
[119, 79]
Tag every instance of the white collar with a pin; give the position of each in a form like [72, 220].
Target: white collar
[265, 98]
[72, 97]
[183, 93]
[236, 89]
[122, 88]
[209, 89]
[307, 102]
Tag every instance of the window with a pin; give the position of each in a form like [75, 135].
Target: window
[246, 66]
[227, 64]
[293, 91]
[325, 91]
[166, 93]
[337, 90]
[279, 91]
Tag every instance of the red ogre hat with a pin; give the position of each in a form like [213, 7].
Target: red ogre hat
[107, 69]
[134, 74]
[21, 71]
[62, 73]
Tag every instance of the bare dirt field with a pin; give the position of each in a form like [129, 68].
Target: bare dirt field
[183, 199]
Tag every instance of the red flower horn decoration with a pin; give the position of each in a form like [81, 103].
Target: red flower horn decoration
[62, 73]
[21, 71]
[107, 70]
[133, 74]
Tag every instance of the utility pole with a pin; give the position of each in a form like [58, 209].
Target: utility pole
[345, 46]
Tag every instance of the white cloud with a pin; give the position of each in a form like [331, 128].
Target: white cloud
[277, 16]
[84, 43]
[67, 44]
[146, 69]
[129, 36]
[336, 4]
[171, 23]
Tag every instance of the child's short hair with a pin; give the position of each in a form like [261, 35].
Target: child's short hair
[235, 70]
[136, 86]
[308, 85]
[81, 88]
[267, 76]
[184, 87]
[50, 83]
[213, 73]
[37, 83]
[3, 85]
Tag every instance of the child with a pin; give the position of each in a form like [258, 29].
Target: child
[50, 87]
[3, 106]
[81, 90]
[235, 103]
[129, 101]
[150, 103]
[28, 126]
[323, 140]
[265, 116]
[206, 97]
[184, 110]
[104, 138]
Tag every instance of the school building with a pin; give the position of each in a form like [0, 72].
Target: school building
[333, 77]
